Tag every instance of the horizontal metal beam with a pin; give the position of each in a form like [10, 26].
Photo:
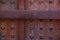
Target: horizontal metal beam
[28, 14]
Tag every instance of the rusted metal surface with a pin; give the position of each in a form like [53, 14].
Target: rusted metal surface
[8, 4]
[42, 30]
[30, 14]
[8, 29]
[44, 9]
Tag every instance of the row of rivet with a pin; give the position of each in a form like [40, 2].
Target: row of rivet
[3, 36]
[3, 27]
[41, 1]
[31, 1]
[4, 1]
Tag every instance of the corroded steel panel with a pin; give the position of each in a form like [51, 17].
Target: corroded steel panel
[29, 29]
[8, 29]
[8, 4]
[43, 5]
[42, 30]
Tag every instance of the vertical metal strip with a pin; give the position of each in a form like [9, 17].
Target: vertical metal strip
[25, 29]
